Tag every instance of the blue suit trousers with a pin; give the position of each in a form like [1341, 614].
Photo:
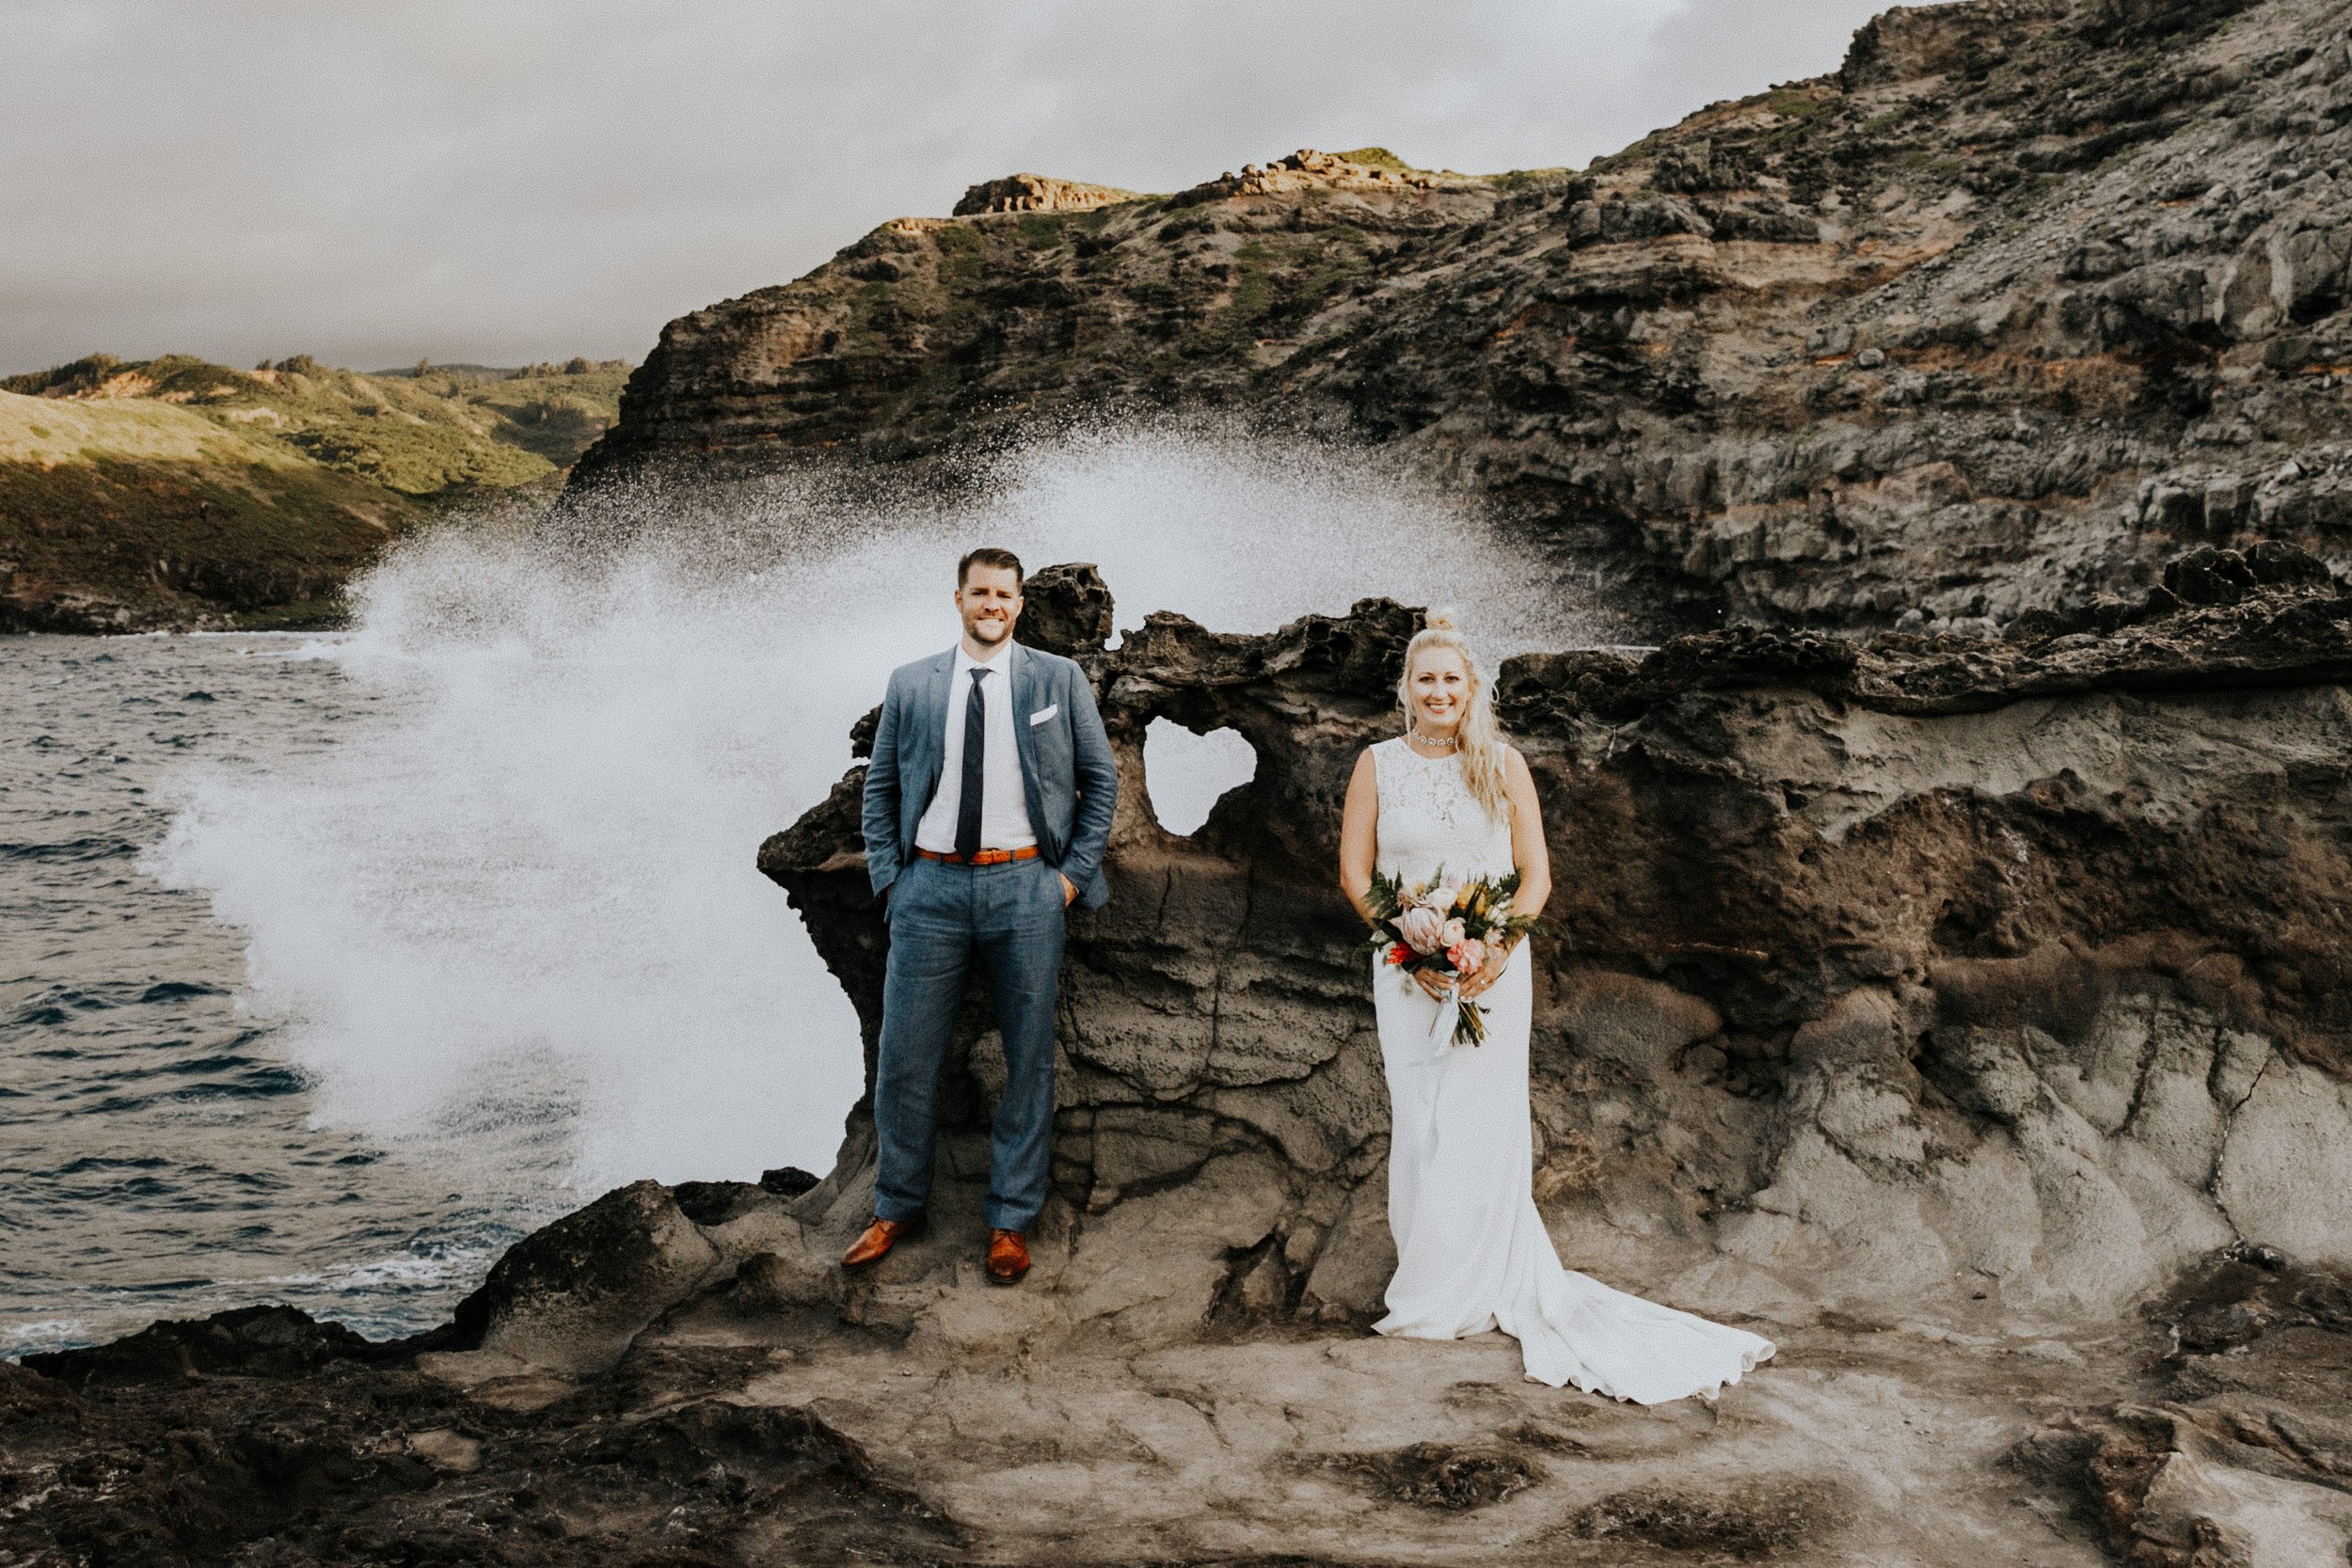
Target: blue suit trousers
[1008, 917]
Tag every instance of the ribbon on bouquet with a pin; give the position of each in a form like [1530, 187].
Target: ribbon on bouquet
[1450, 1007]
[1442, 1027]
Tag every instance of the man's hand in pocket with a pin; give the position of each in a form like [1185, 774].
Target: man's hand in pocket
[1069, 890]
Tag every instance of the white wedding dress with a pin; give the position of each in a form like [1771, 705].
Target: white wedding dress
[1471, 1251]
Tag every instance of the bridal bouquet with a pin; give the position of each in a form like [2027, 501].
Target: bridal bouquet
[1452, 926]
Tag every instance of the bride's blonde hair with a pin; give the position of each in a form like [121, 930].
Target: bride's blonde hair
[1481, 740]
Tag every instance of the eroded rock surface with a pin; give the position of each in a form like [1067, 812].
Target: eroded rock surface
[1926, 971]
[1966, 1015]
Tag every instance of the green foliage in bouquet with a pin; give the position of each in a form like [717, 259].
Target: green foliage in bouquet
[1407, 920]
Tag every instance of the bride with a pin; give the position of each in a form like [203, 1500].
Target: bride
[1471, 1250]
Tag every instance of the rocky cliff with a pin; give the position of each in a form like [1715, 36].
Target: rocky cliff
[1967, 1016]
[2024, 298]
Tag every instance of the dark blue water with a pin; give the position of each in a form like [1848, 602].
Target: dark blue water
[157, 1152]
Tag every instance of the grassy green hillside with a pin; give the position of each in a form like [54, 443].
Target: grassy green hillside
[174, 492]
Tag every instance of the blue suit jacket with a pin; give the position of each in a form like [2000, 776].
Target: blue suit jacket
[1068, 777]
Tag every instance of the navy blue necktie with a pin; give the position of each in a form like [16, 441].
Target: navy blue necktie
[975, 753]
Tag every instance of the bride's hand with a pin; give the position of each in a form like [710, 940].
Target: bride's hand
[1433, 982]
[1475, 987]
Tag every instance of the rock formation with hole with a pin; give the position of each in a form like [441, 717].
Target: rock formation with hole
[1969, 1015]
[1929, 971]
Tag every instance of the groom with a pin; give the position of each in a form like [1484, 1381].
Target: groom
[988, 804]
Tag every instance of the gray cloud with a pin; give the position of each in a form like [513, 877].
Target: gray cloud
[515, 180]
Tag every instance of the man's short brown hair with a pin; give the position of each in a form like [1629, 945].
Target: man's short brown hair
[989, 555]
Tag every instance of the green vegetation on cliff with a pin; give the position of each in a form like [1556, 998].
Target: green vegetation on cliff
[175, 491]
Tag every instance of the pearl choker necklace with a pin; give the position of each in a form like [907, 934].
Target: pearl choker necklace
[1445, 743]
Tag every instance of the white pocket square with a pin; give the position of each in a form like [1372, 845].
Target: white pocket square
[1043, 714]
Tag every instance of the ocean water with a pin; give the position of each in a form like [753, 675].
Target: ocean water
[333, 964]
[160, 1156]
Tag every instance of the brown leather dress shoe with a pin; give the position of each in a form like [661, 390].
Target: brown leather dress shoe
[1008, 1256]
[878, 1238]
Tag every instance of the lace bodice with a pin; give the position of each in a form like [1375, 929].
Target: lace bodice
[1429, 817]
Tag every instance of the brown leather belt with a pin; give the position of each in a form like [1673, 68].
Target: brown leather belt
[985, 857]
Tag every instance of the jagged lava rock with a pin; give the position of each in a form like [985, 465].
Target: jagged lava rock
[573, 1295]
[1967, 1015]
[1927, 970]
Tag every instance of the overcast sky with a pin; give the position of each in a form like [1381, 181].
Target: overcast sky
[504, 181]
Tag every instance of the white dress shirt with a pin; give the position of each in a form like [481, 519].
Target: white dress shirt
[1004, 801]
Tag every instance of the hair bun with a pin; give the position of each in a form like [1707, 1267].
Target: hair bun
[1440, 619]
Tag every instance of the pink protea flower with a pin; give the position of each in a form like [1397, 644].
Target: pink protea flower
[1455, 933]
[1423, 928]
[1467, 956]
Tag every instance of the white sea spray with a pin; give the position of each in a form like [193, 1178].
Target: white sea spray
[521, 919]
